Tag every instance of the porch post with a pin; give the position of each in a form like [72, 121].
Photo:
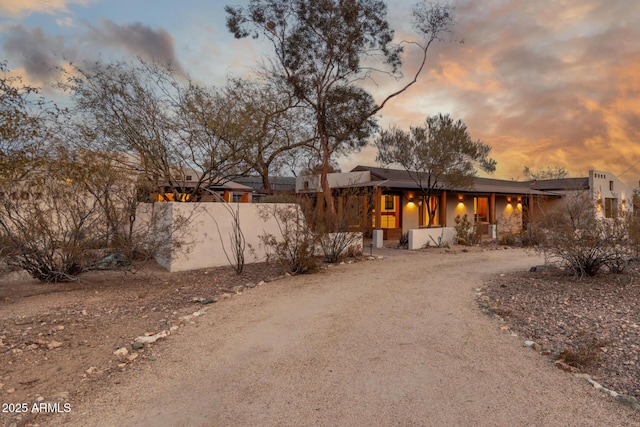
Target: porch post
[364, 213]
[227, 196]
[378, 222]
[530, 208]
[443, 209]
[492, 209]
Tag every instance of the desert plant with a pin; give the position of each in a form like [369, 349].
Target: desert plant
[440, 242]
[585, 350]
[294, 244]
[572, 234]
[337, 233]
[464, 229]
[510, 224]
[404, 240]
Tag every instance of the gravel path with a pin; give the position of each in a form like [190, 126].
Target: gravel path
[396, 341]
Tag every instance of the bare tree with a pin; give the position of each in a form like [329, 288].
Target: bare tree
[173, 128]
[274, 125]
[319, 47]
[442, 152]
[550, 172]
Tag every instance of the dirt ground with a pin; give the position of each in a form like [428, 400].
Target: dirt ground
[59, 343]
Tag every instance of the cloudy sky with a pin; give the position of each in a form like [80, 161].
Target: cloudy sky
[545, 82]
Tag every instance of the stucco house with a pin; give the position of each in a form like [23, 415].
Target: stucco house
[397, 205]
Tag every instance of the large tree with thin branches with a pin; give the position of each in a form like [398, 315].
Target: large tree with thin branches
[319, 49]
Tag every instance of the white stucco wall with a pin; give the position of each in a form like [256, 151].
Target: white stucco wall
[606, 185]
[204, 243]
[418, 238]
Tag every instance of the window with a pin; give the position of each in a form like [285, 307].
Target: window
[610, 185]
[188, 177]
[388, 203]
[610, 207]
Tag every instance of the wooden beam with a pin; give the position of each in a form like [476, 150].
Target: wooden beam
[443, 209]
[492, 208]
[378, 223]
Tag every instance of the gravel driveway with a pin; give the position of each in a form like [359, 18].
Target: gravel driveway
[393, 341]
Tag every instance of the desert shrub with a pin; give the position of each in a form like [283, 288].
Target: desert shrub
[404, 240]
[508, 239]
[294, 245]
[464, 229]
[510, 224]
[467, 232]
[584, 352]
[572, 234]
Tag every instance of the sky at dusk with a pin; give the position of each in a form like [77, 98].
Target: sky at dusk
[545, 82]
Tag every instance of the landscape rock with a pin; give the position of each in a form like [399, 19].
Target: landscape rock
[114, 261]
[121, 352]
[54, 344]
[250, 285]
[151, 338]
[137, 346]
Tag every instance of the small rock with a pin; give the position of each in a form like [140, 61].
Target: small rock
[63, 395]
[132, 357]
[529, 343]
[152, 338]
[629, 401]
[11, 390]
[92, 370]
[260, 283]
[40, 399]
[205, 301]
[54, 344]
[121, 352]
[59, 328]
[173, 328]
[121, 365]
[136, 346]
[250, 285]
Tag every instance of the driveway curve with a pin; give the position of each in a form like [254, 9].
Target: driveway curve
[393, 341]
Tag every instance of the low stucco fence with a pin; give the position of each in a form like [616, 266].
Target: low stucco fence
[421, 237]
[200, 235]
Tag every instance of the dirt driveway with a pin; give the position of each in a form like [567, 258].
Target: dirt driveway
[394, 341]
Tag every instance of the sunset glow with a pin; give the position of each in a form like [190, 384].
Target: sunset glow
[544, 83]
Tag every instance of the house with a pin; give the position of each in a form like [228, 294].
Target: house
[396, 203]
[278, 184]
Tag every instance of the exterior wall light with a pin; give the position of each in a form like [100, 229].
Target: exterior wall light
[460, 198]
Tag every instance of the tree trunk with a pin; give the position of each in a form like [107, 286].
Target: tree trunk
[326, 188]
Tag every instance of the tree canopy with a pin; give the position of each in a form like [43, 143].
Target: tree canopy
[318, 50]
[438, 153]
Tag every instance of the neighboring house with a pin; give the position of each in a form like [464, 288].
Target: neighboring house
[229, 191]
[278, 184]
[396, 204]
